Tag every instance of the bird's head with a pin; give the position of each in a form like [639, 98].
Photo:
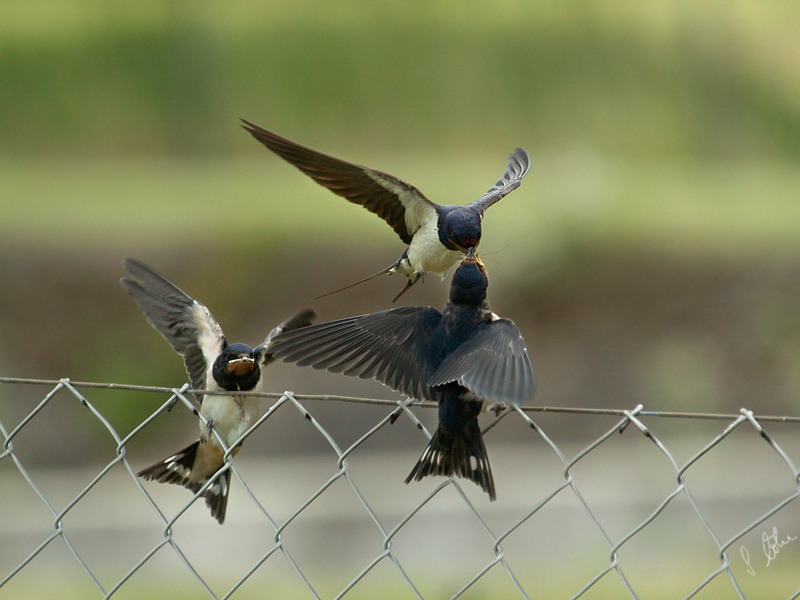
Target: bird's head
[236, 368]
[460, 227]
[469, 281]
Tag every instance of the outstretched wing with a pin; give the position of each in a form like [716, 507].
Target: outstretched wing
[263, 353]
[519, 163]
[388, 346]
[492, 364]
[401, 205]
[187, 325]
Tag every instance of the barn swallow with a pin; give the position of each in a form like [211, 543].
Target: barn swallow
[212, 364]
[464, 358]
[437, 235]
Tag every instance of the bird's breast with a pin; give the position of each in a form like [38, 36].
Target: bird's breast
[231, 416]
[426, 254]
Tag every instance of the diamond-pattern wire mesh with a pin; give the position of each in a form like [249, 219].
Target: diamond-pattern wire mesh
[726, 547]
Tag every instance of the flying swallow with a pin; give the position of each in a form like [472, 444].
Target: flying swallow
[212, 364]
[463, 357]
[437, 235]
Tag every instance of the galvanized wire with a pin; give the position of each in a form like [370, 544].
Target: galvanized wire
[629, 421]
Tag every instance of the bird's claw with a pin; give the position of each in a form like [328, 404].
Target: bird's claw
[497, 408]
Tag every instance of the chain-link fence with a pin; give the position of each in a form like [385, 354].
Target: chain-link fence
[639, 504]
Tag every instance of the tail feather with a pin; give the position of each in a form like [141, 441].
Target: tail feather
[461, 453]
[360, 281]
[180, 469]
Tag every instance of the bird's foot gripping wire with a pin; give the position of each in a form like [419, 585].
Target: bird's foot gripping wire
[497, 408]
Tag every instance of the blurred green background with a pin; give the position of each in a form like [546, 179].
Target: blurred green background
[651, 256]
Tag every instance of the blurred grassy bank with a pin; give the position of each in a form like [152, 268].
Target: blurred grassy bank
[732, 208]
[661, 584]
[172, 77]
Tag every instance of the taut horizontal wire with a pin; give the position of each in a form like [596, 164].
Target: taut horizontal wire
[425, 404]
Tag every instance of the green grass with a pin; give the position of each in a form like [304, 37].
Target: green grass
[672, 126]
[151, 77]
[664, 582]
[732, 208]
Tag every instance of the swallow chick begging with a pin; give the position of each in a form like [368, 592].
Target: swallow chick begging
[437, 235]
[212, 364]
[464, 357]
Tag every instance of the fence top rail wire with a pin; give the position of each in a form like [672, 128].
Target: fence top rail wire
[423, 404]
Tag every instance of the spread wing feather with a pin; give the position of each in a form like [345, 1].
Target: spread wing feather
[388, 346]
[187, 325]
[302, 319]
[492, 364]
[398, 203]
[519, 163]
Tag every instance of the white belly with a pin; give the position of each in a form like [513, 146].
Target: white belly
[231, 416]
[426, 253]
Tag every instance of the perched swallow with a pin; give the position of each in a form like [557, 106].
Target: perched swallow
[212, 364]
[463, 358]
[436, 234]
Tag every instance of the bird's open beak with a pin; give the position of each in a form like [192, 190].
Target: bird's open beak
[241, 366]
[472, 254]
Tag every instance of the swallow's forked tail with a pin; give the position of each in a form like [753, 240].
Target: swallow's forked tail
[390, 270]
[459, 452]
[347, 287]
[191, 468]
